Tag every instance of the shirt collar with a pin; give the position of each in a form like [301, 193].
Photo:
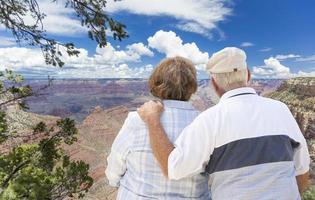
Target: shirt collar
[178, 104]
[238, 91]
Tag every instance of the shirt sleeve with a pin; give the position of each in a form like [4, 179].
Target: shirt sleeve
[192, 150]
[116, 161]
[301, 155]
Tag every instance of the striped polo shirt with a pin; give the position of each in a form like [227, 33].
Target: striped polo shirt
[251, 146]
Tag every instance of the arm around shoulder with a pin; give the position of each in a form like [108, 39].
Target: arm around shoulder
[192, 149]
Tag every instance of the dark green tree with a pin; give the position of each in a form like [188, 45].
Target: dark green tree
[37, 169]
[41, 170]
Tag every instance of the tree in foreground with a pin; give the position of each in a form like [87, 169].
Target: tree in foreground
[40, 169]
[37, 170]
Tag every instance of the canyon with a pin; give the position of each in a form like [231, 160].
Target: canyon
[101, 106]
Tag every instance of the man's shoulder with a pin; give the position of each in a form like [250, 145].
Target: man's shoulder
[209, 112]
[274, 103]
[261, 102]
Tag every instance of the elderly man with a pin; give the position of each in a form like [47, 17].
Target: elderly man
[251, 146]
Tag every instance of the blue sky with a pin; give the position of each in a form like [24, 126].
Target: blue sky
[278, 37]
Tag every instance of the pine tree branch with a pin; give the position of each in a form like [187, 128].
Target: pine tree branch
[19, 167]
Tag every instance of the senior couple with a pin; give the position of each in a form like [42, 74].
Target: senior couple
[246, 147]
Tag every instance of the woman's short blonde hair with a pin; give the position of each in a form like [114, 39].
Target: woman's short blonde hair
[174, 78]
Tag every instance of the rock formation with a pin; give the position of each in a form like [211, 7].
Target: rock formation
[21, 123]
[98, 130]
[96, 134]
[299, 95]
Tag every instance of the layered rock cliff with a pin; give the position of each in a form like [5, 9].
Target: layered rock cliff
[96, 135]
[21, 124]
[100, 127]
[299, 95]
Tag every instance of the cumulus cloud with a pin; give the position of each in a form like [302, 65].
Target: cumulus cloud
[194, 16]
[132, 53]
[16, 57]
[247, 44]
[107, 62]
[170, 44]
[140, 49]
[107, 71]
[274, 69]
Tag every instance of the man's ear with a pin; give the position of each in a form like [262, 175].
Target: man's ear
[249, 75]
[215, 85]
[217, 89]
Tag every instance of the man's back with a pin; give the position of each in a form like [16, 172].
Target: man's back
[253, 154]
[256, 148]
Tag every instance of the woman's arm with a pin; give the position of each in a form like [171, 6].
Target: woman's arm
[116, 161]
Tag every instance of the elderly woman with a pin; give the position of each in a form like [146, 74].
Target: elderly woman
[131, 164]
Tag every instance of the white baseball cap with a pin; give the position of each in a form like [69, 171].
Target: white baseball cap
[229, 59]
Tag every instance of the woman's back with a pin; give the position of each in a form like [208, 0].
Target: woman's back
[143, 178]
[131, 164]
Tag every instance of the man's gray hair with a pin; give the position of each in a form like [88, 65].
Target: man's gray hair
[231, 80]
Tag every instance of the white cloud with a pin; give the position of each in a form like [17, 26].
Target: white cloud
[306, 74]
[107, 62]
[194, 28]
[140, 49]
[170, 44]
[15, 57]
[7, 41]
[132, 53]
[247, 44]
[107, 71]
[274, 69]
[58, 20]
[265, 49]
[288, 56]
[276, 66]
[306, 59]
[194, 16]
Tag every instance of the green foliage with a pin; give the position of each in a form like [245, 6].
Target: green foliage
[42, 170]
[90, 13]
[309, 194]
[38, 170]
[12, 90]
[3, 127]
